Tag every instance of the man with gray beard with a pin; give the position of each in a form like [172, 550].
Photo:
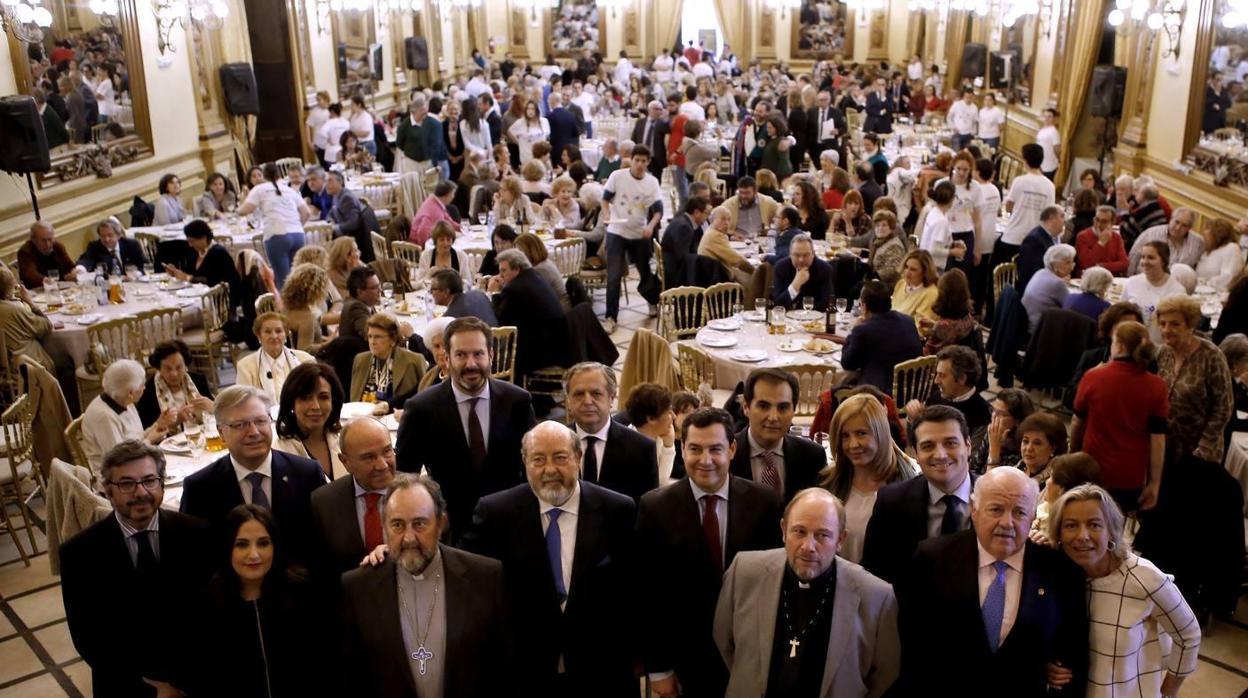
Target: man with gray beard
[564, 544]
[428, 608]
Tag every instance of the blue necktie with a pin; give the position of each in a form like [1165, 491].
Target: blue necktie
[258, 497]
[994, 605]
[554, 550]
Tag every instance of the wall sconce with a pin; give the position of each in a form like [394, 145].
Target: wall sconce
[1167, 18]
[24, 19]
[533, 6]
[613, 6]
[783, 6]
[203, 13]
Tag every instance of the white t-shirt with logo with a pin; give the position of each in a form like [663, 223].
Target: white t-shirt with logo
[936, 237]
[1030, 193]
[966, 202]
[991, 119]
[1048, 139]
[279, 208]
[630, 202]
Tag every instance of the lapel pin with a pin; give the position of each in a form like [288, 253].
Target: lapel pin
[1041, 591]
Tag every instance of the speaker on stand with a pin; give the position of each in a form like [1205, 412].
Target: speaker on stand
[23, 142]
[1105, 95]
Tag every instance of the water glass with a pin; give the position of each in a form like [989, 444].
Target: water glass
[760, 305]
[49, 286]
[808, 303]
[195, 437]
[149, 270]
[842, 304]
[387, 291]
[54, 276]
[738, 310]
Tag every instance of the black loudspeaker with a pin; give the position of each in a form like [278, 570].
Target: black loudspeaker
[1002, 69]
[417, 50]
[23, 144]
[376, 62]
[238, 83]
[342, 61]
[1109, 82]
[974, 60]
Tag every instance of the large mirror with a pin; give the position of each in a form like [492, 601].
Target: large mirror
[575, 25]
[1225, 102]
[303, 43]
[87, 77]
[357, 53]
[1019, 42]
[821, 30]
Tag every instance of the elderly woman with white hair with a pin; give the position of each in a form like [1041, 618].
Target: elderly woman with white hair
[1131, 604]
[112, 416]
[1091, 300]
[432, 337]
[1047, 288]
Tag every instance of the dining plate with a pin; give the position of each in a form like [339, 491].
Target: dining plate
[352, 410]
[804, 315]
[90, 319]
[754, 315]
[716, 340]
[725, 324]
[789, 346]
[176, 444]
[173, 285]
[739, 244]
[192, 291]
[749, 356]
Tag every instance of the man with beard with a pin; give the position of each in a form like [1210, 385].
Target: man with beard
[429, 621]
[43, 254]
[567, 576]
[128, 561]
[466, 431]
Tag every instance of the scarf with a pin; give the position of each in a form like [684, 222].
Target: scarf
[166, 398]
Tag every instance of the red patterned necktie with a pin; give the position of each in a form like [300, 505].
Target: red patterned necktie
[771, 471]
[372, 521]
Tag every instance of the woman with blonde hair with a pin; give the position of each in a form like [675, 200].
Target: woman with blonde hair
[708, 175]
[533, 181]
[1223, 260]
[768, 185]
[304, 296]
[535, 250]
[864, 459]
[561, 210]
[344, 255]
[916, 292]
[443, 255]
[511, 203]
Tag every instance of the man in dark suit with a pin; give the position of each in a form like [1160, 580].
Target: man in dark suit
[1041, 238]
[907, 513]
[565, 547]
[899, 92]
[347, 511]
[826, 124]
[564, 130]
[524, 299]
[364, 291]
[466, 431]
[651, 131]
[993, 602]
[681, 239]
[254, 473]
[112, 250]
[865, 183]
[447, 288]
[801, 275]
[956, 382]
[492, 118]
[690, 531]
[348, 216]
[766, 453]
[614, 456]
[128, 560]
[880, 108]
[394, 643]
[882, 340]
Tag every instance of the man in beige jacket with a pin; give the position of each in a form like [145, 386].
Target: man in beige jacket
[749, 213]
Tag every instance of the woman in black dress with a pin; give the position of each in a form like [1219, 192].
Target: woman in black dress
[453, 139]
[206, 262]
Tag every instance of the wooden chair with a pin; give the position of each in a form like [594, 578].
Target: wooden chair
[476, 255]
[717, 301]
[22, 473]
[206, 342]
[407, 251]
[912, 380]
[1003, 274]
[257, 244]
[380, 249]
[318, 233]
[284, 165]
[680, 312]
[656, 255]
[266, 303]
[812, 380]
[546, 381]
[107, 341]
[156, 326]
[696, 367]
[503, 364]
[150, 242]
[569, 255]
[73, 439]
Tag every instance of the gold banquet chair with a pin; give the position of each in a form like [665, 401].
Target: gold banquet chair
[812, 381]
[569, 256]
[696, 367]
[680, 312]
[266, 303]
[206, 342]
[717, 301]
[380, 249]
[150, 242]
[503, 364]
[407, 251]
[1003, 275]
[22, 472]
[107, 341]
[912, 380]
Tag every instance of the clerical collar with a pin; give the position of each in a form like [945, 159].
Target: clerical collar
[820, 582]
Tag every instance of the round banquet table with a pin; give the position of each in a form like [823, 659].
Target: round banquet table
[71, 338]
[1237, 462]
[229, 233]
[477, 237]
[730, 366]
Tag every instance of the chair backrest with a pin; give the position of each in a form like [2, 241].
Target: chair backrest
[380, 249]
[73, 439]
[503, 364]
[680, 312]
[150, 242]
[718, 300]
[318, 233]
[474, 201]
[475, 255]
[216, 309]
[696, 367]
[111, 340]
[912, 380]
[257, 244]
[656, 255]
[10, 382]
[407, 251]
[812, 381]
[18, 421]
[156, 326]
[1004, 274]
[569, 256]
[266, 303]
[285, 164]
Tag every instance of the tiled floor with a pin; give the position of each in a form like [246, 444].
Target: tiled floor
[37, 658]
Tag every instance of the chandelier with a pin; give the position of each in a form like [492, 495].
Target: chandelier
[1167, 17]
[24, 19]
[203, 13]
[1236, 15]
[106, 10]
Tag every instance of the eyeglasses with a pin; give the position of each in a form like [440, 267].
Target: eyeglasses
[260, 423]
[151, 484]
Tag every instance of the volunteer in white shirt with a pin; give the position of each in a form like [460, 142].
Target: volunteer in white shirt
[632, 205]
[585, 98]
[329, 136]
[282, 213]
[1029, 194]
[317, 116]
[1051, 141]
[362, 125]
[991, 120]
[936, 238]
[962, 117]
[963, 215]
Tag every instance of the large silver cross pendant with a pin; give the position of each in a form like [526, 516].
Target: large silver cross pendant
[422, 655]
[792, 649]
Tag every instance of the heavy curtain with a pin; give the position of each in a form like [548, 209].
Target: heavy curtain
[666, 23]
[731, 14]
[1081, 53]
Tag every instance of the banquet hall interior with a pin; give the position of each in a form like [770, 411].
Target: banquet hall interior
[830, 223]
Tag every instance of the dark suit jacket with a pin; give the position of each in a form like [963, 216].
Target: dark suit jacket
[476, 659]
[346, 214]
[679, 241]
[212, 492]
[630, 463]
[98, 578]
[353, 321]
[658, 150]
[879, 114]
[529, 303]
[870, 191]
[339, 541]
[217, 267]
[897, 525]
[942, 624]
[593, 631]
[95, 254]
[877, 345]
[563, 131]
[669, 538]
[817, 145]
[1031, 256]
[473, 303]
[803, 459]
[819, 285]
[432, 435]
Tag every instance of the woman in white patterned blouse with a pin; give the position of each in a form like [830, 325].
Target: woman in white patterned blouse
[1144, 638]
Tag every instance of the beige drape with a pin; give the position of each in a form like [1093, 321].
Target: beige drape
[1081, 53]
[666, 23]
[731, 14]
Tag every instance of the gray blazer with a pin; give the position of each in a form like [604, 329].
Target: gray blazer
[864, 653]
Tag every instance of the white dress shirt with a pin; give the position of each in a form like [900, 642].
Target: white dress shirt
[133, 545]
[567, 532]
[600, 446]
[758, 462]
[266, 485]
[483, 410]
[721, 507]
[936, 508]
[1013, 585]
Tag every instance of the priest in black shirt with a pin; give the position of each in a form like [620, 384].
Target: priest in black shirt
[816, 618]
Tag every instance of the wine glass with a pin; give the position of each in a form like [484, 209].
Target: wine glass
[738, 310]
[149, 270]
[53, 275]
[842, 304]
[387, 291]
[195, 437]
[808, 303]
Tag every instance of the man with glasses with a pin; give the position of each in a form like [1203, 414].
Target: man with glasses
[447, 288]
[122, 567]
[253, 473]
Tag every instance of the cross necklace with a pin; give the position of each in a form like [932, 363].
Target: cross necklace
[795, 640]
[421, 654]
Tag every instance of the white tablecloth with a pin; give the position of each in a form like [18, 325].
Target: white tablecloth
[1237, 463]
[235, 234]
[71, 339]
[753, 336]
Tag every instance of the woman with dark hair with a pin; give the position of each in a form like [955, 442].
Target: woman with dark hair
[308, 416]
[915, 291]
[649, 410]
[1090, 178]
[1042, 436]
[996, 444]
[168, 208]
[475, 129]
[282, 215]
[810, 207]
[852, 220]
[258, 623]
[1083, 214]
[1153, 284]
[775, 151]
[218, 199]
[171, 386]
[206, 262]
[353, 156]
[387, 374]
[503, 238]
[952, 308]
